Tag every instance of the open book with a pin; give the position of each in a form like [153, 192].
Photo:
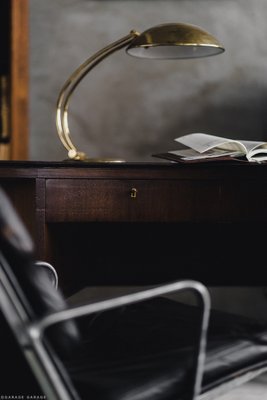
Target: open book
[201, 146]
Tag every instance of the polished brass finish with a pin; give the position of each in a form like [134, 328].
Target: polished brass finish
[69, 87]
[134, 193]
[174, 41]
[167, 41]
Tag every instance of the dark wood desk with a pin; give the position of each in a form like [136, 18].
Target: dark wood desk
[144, 223]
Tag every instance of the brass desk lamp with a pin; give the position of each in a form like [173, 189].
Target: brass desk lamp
[166, 41]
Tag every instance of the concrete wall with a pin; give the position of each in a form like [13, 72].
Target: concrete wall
[129, 107]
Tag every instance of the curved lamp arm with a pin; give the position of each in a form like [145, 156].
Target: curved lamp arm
[71, 84]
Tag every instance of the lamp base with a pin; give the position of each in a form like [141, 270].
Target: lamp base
[75, 155]
[103, 160]
[97, 160]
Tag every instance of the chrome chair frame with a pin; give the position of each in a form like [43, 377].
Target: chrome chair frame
[46, 366]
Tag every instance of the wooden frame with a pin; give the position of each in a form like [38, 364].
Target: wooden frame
[16, 145]
[19, 79]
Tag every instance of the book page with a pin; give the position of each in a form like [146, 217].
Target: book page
[190, 154]
[258, 154]
[255, 146]
[202, 142]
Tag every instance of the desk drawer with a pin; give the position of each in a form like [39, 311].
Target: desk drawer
[129, 200]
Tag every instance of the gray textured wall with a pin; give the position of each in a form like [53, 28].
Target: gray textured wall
[131, 108]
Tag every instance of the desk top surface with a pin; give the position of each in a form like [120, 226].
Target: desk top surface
[125, 170]
[128, 165]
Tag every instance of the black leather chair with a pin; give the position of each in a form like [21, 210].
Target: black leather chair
[142, 345]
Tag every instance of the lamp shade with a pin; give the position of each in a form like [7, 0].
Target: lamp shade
[174, 41]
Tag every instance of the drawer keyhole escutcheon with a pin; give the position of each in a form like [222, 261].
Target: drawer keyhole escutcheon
[133, 193]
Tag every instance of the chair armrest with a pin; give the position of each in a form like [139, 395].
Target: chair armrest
[103, 305]
[37, 329]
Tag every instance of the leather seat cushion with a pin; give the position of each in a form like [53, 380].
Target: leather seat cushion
[145, 350]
